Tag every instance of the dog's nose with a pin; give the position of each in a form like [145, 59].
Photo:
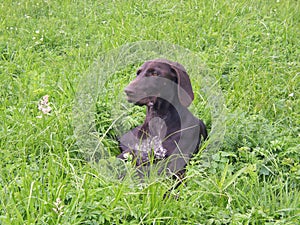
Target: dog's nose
[128, 91]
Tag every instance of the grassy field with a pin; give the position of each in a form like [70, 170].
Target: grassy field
[250, 47]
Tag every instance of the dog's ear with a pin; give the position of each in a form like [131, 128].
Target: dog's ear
[185, 91]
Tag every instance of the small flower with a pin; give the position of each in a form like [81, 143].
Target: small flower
[44, 105]
[291, 95]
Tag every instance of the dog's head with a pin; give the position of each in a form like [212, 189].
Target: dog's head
[160, 78]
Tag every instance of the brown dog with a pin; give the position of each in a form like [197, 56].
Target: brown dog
[170, 133]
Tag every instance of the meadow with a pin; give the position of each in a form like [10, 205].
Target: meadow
[251, 48]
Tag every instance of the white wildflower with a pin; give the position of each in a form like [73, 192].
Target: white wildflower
[44, 105]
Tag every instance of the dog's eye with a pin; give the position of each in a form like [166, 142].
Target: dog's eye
[154, 73]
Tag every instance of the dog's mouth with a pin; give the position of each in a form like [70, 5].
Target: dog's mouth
[131, 98]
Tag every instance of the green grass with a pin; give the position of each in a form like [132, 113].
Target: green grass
[251, 47]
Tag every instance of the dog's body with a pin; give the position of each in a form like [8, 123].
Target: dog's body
[170, 132]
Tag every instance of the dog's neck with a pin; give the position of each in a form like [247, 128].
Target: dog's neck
[161, 108]
[165, 111]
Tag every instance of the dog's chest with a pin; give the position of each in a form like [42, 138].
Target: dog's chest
[150, 147]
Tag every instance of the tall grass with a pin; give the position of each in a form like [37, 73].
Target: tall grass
[251, 47]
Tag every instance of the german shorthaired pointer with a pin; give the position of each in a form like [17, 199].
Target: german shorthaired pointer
[170, 133]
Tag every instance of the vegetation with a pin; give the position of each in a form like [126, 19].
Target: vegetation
[250, 47]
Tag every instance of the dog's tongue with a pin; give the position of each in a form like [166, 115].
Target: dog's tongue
[150, 104]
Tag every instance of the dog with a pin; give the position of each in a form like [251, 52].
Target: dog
[170, 133]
